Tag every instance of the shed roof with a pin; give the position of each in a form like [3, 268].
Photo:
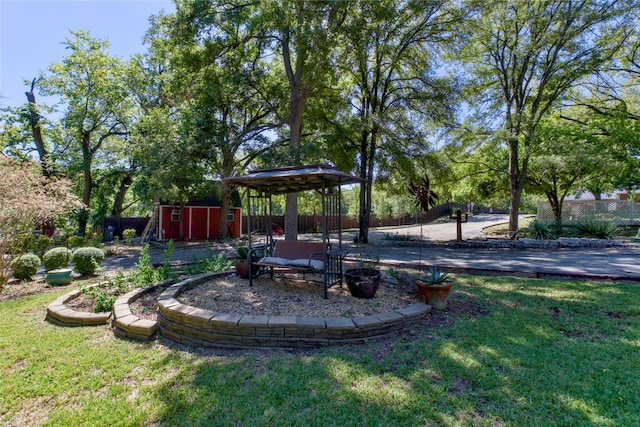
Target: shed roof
[294, 179]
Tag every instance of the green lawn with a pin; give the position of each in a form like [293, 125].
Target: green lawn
[507, 352]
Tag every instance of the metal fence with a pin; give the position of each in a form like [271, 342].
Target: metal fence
[624, 212]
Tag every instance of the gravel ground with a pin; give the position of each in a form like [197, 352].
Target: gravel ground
[287, 296]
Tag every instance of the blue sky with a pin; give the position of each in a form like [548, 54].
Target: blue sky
[32, 33]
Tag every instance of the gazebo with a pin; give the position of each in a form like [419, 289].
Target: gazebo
[262, 184]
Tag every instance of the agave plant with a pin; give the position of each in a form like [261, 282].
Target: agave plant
[598, 229]
[435, 276]
[541, 230]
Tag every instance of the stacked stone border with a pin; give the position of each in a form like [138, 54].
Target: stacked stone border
[522, 243]
[195, 326]
[125, 324]
[59, 314]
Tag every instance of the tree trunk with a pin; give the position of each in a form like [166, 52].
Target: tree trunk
[225, 201]
[118, 201]
[363, 230]
[37, 132]
[556, 205]
[88, 184]
[515, 188]
[295, 126]
[297, 100]
[365, 209]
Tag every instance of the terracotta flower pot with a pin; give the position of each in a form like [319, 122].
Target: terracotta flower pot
[242, 268]
[363, 282]
[434, 295]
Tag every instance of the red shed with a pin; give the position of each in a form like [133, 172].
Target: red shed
[199, 219]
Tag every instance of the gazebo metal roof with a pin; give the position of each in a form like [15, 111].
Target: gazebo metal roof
[294, 179]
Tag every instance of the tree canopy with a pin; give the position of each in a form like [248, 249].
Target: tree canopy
[492, 101]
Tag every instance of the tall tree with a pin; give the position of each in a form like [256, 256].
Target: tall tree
[525, 55]
[298, 32]
[91, 84]
[304, 34]
[390, 57]
[36, 130]
[219, 89]
[565, 158]
[607, 107]
[26, 132]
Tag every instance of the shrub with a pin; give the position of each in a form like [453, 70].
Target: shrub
[26, 199]
[103, 299]
[76, 242]
[128, 235]
[210, 264]
[42, 245]
[87, 259]
[23, 243]
[598, 229]
[144, 272]
[25, 266]
[56, 258]
[541, 230]
[95, 240]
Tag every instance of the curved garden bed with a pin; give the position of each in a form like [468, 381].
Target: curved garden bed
[60, 314]
[192, 325]
[128, 325]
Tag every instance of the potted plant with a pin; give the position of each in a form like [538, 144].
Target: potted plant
[59, 276]
[434, 287]
[364, 281]
[241, 262]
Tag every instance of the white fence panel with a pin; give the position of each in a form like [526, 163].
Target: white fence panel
[624, 212]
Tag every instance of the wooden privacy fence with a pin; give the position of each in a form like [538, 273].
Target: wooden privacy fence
[311, 223]
[119, 224]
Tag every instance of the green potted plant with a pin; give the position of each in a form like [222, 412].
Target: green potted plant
[364, 281]
[241, 262]
[434, 287]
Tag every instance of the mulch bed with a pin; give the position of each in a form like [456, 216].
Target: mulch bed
[292, 296]
[17, 290]
[81, 303]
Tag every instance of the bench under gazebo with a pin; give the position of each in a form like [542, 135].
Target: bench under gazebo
[268, 254]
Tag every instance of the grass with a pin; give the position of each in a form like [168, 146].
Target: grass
[503, 228]
[507, 352]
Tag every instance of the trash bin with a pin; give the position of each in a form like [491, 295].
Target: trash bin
[108, 235]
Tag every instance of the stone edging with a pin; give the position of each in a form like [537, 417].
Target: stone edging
[60, 314]
[191, 325]
[523, 243]
[126, 324]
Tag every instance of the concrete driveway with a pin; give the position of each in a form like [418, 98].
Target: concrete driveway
[444, 231]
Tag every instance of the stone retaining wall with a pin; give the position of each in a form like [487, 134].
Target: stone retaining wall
[191, 325]
[126, 324]
[58, 313]
[562, 242]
